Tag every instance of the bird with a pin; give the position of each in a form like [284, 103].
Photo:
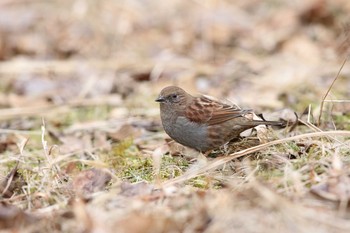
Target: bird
[202, 122]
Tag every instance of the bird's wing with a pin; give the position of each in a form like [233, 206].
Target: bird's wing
[208, 111]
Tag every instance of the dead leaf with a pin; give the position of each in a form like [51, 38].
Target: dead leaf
[337, 185]
[142, 77]
[136, 189]
[138, 222]
[13, 217]
[11, 182]
[124, 132]
[75, 142]
[7, 142]
[176, 149]
[318, 12]
[86, 223]
[89, 181]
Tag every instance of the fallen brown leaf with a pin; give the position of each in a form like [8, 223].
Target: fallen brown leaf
[89, 181]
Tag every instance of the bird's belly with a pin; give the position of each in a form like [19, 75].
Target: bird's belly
[189, 134]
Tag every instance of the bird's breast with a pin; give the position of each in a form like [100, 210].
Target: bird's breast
[188, 133]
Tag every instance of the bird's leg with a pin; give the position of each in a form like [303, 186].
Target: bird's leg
[202, 156]
[201, 161]
[207, 153]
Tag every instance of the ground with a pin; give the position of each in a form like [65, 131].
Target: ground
[81, 142]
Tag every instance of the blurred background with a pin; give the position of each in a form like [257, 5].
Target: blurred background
[266, 55]
[78, 80]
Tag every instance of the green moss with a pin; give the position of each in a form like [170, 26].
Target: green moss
[81, 114]
[172, 166]
[205, 182]
[342, 122]
[130, 164]
[126, 159]
[199, 182]
[137, 169]
[268, 174]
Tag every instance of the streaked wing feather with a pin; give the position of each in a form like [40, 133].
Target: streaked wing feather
[212, 112]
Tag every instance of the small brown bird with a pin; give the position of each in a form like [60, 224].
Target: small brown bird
[200, 122]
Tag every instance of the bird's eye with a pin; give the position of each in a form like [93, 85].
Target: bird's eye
[174, 96]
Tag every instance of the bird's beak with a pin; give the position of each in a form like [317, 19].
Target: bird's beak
[160, 99]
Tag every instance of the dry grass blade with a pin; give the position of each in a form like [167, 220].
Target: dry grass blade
[316, 129]
[14, 131]
[220, 161]
[70, 66]
[10, 113]
[58, 67]
[329, 89]
[337, 101]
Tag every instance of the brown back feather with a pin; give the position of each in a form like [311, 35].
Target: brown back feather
[207, 111]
